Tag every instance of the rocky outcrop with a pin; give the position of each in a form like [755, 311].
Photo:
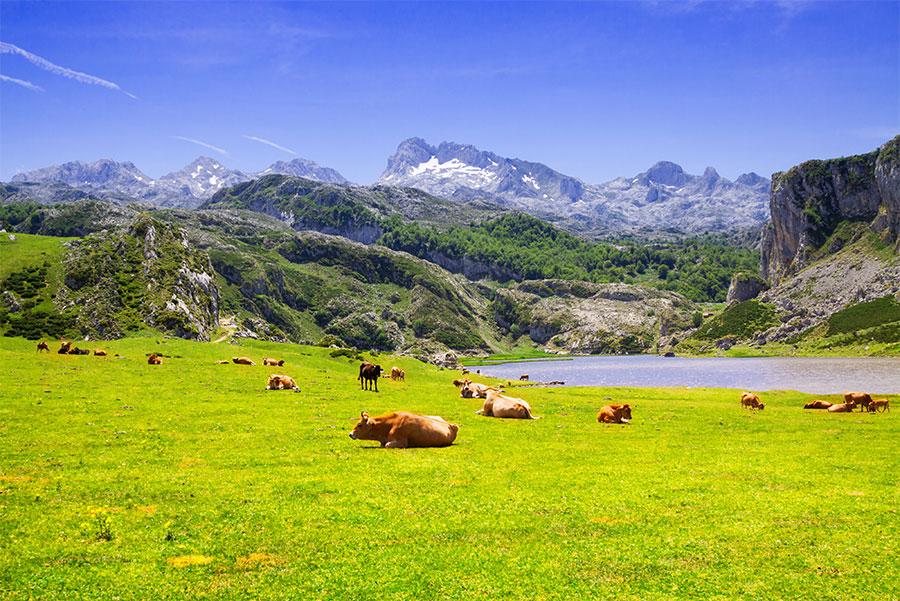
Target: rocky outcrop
[744, 286]
[144, 275]
[583, 317]
[810, 201]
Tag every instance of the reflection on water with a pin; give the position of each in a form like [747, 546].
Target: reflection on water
[817, 375]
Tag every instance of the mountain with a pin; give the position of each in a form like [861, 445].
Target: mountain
[663, 198]
[123, 182]
[305, 168]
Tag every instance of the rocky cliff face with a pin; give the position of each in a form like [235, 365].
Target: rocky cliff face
[809, 202]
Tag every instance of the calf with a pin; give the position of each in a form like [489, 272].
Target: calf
[523, 377]
[817, 404]
[42, 346]
[154, 359]
[242, 361]
[616, 413]
[880, 405]
[860, 398]
[400, 430]
[64, 347]
[842, 407]
[751, 401]
[499, 405]
[474, 390]
[368, 375]
[273, 362]
[280, 382]
[99, 352]
[398, 374]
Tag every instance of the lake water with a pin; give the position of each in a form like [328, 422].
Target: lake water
[816, 375]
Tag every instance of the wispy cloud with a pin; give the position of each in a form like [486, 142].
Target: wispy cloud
[43, 63]
[270, 143]
[203, 144]
[21, 82]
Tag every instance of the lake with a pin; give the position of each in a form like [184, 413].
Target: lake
[816, 375]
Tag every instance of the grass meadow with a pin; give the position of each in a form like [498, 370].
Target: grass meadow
[120, 480]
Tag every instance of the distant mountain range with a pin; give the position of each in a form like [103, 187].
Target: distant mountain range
[124, 182]
[662, 198]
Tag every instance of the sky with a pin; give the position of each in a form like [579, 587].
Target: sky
[594, 90]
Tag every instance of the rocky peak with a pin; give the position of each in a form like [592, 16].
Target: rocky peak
[305, 168]
[665, 173]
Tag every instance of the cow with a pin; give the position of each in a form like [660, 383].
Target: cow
[459, 383]
[616, 413]
[860, 398]
[523, 378]
[79, 351]
[273, 362]
[99, 352]
[842, 407]
[880, 405]
[368, 375]
[751, 401]
[398, 374]
[154, 359]
[401, 430]
[474, 390]
[42, 346]
[242, 361]
[223, 362]
[817, 404]
[64, 347]
[500, 405]
[465, 371]
[280, 382]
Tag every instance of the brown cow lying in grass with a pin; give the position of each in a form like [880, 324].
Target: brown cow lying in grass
[154, 359]
[273, 362]
[817, 404]
[64, 347]
[500, 405]
[880, 405]
[368, 375]
[474, 390]
[751, 401]
[616, 413]
[861, 399]
[280, 382]
[42, 346]
[223, 362]
[842, 407]
[79, 351]
[400, 430]
[242, 361]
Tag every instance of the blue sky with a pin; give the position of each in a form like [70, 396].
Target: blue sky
[593, 90]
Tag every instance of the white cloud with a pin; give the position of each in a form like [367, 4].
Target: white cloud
[7, 48]
[203, 144]
[270, 143]
[21, 82]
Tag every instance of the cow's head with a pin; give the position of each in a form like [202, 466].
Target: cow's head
[364, 429]
[625, 412]
[761, 406]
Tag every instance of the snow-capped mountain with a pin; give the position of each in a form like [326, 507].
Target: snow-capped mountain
[662, 198]
[123, 182]
[305, 168]
[199, 180]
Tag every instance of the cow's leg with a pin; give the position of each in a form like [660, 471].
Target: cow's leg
[375, 381]
[397, 443]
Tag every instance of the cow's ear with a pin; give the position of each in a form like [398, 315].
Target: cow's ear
[364, 416]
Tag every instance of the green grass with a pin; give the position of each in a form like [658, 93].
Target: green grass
[739, 319]
[864, 315]
[113, 472]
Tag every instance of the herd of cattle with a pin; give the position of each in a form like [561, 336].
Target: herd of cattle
[401, 429]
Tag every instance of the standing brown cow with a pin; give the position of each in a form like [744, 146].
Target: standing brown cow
[42, 346]
[860, 398]
[880, 405]
[368, 375]
[751, 401]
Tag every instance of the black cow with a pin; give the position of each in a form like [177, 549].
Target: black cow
[368, 374]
